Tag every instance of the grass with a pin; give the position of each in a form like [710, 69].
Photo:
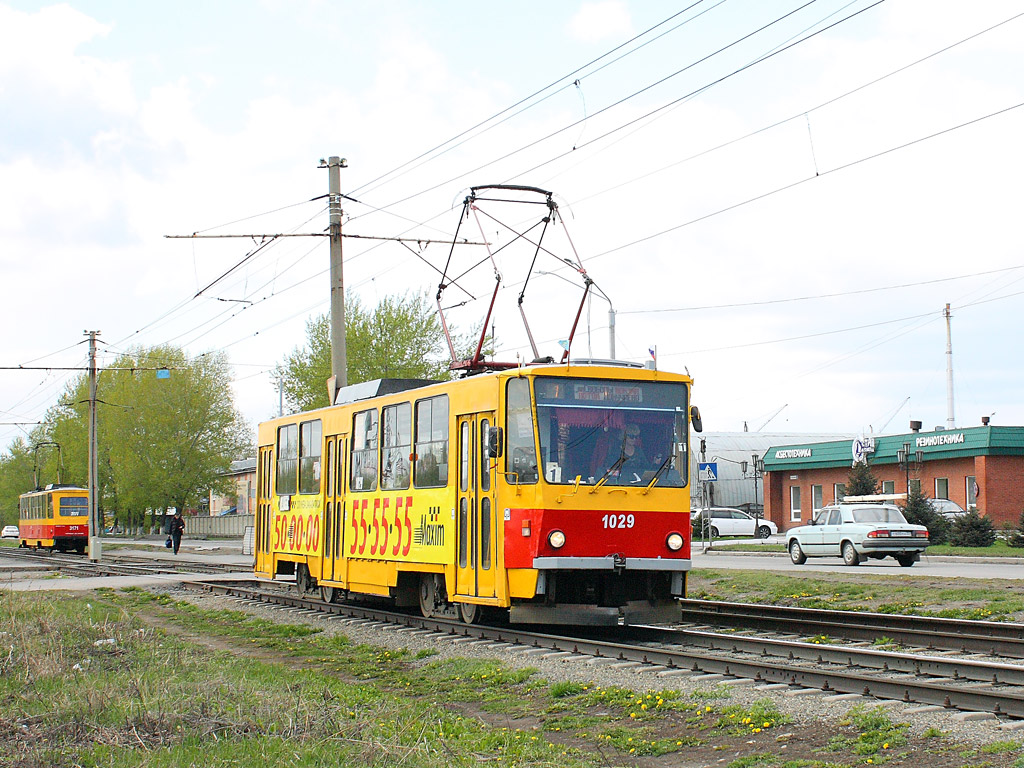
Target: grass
[881, 593]
[115, 679]
[87, 683]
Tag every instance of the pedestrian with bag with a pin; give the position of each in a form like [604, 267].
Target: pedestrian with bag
[177, 528]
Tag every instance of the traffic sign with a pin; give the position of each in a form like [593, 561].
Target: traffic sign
[707, 471]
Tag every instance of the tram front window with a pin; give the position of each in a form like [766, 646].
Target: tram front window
[622, 432]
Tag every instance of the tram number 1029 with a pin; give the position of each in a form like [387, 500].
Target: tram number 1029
[618, 521]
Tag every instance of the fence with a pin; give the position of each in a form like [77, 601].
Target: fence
[223, 525]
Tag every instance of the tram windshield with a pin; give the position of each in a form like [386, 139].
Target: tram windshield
[74, 506]
[622, 432]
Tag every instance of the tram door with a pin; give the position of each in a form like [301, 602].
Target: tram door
[334, 509]
[475, 525]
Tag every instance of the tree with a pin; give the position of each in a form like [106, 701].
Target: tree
[170, 440]
[162, 442]
[919, 511]
[861, 481]
[972, 530]
[15, 479]
[401, 338]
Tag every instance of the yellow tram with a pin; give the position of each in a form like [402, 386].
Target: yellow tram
[553, 493]
[55, 517]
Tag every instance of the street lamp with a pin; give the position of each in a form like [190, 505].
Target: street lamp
[757, 470]
[903, 457]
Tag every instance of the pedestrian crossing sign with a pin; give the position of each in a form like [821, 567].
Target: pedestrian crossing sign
[707, 472]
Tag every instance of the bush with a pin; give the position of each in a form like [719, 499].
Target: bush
[972, 530]
[919, 511]
[1015, 537]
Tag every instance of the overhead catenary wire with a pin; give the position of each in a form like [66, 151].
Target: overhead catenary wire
[632, 95]
[373, 183]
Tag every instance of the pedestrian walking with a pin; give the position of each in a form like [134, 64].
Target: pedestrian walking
[177, 528]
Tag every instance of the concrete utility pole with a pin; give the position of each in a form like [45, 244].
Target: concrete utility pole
[950, 420]
[94, 522]
[339, 361]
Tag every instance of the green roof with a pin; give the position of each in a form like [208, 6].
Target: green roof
[939, 444]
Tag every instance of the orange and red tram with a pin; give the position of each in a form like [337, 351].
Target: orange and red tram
[55, 517]
[549, 493]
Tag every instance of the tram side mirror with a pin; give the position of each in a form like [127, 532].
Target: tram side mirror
[695, 419]
[495, 440]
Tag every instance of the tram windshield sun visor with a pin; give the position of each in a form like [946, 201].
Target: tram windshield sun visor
[619, 432]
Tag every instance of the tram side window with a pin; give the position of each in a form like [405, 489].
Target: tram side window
[287, 459]
[522, 445]
[432, 442]
[397, 436]
[310, 441]
[364, 451]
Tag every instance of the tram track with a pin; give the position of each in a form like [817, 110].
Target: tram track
[114, 565]
[975, 685]
[1000, 639]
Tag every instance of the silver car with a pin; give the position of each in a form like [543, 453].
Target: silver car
[856, 531]
[10, 532]
[950, 509]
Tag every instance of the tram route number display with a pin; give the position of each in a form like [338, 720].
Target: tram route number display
[618, 521]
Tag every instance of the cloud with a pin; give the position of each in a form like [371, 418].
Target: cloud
[602, 20]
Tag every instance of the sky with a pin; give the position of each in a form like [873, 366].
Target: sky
[780, 198]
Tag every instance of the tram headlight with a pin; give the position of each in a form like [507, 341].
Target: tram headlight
[674, 542]
[556, 539]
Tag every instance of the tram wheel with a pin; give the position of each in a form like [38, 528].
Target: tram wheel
[329, 594]
[304, 581]
[428, 595]
[470, 612]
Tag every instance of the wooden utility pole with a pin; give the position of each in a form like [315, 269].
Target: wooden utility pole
[94, 521]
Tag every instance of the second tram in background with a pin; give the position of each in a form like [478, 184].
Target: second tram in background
[55, 517]
[550, 493]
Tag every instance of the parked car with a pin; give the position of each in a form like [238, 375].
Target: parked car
[950, 509]
[10, 532]
[856, 531]
[725, 521]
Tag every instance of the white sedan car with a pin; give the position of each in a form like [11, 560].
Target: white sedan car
[856, 531]
[10, 532]
[725, 521]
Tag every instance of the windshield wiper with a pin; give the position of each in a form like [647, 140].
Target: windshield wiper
[662, 468]
[604, 478]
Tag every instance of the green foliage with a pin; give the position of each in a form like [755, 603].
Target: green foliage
[400, 338]
[15, 479]
[972, 530]
[1016, 536]
[861, 482]
[160, 442]
[919, 511]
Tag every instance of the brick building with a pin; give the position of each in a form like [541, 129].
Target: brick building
[979, 467]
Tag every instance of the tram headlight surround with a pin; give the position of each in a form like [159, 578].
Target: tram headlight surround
[556, 539]
[674, 541]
